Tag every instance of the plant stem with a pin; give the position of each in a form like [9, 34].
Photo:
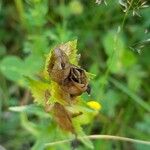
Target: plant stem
[107, 72]
[20, 9]
[104, 137]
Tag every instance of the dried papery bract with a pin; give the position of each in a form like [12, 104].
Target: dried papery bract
[59, 66]
[71, 78]
[62, 117]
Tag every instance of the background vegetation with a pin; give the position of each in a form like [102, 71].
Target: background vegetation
[113, 40]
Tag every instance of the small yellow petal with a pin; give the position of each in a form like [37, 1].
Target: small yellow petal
[94, 105]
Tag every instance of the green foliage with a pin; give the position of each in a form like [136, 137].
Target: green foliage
[15, 69]
[114, 46]
[39, 89]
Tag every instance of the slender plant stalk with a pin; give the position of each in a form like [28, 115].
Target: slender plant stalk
[125, 16]
[106, 74]
[104, 137]
[20, 9]
[124, 89]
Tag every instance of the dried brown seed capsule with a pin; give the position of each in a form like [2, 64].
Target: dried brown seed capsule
[76, 83]
[59, 66]
[71, 78]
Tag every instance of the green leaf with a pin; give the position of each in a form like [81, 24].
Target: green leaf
[134, 77]
[87, 113]
[141, 147]
[144, 125]
[12, 68]
[133, 96]
[114, 48]
[110, 102]
[29, 126]
[33, 64]
[110, 41]
[81, 133]
[39, 89]
[2, 50]
[128, 58]
[71, 51]
[31, 109]
[85, 118]
[15, 69]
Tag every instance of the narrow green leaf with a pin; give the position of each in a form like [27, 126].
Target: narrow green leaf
[136, 98]
[31, 109]
[70, 49]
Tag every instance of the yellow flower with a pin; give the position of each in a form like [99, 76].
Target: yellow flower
[94, 105]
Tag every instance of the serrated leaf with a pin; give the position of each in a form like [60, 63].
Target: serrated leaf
[38, 89]
[70, 49]
[57, 94]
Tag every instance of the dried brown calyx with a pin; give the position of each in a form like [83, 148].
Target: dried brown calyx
[63, 117]
[72, 79]
[59, 66]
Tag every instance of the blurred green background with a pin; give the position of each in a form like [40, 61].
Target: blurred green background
[114, 45]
